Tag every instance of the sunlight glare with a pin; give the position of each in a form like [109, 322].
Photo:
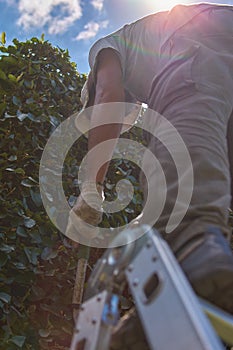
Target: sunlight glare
[156, 5]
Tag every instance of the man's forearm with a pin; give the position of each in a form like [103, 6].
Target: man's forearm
[106, 119]
[106, 124]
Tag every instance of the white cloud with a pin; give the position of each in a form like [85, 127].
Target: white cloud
[98, 4]
[91, 29]
[40, 13]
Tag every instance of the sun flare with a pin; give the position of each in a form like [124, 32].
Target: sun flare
[164, 4]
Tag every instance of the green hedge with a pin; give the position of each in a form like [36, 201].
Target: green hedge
[39, 88]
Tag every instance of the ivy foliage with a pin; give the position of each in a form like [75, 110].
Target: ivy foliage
[39, 88]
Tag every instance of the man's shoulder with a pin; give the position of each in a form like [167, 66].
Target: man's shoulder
[179, 15]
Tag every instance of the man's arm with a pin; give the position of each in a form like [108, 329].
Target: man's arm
[109, 88]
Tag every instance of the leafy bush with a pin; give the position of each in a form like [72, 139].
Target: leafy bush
[39, 88]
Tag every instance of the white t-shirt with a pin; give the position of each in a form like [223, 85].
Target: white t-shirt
[139, 46]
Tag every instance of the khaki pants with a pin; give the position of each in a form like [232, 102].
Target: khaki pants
[194, 91]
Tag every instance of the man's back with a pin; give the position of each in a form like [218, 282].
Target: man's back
[139, 45]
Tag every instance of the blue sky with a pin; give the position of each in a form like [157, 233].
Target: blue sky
[75, 24]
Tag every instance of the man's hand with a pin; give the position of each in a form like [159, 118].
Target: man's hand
[86, 213]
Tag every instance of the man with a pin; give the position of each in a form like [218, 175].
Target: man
[180, 63]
